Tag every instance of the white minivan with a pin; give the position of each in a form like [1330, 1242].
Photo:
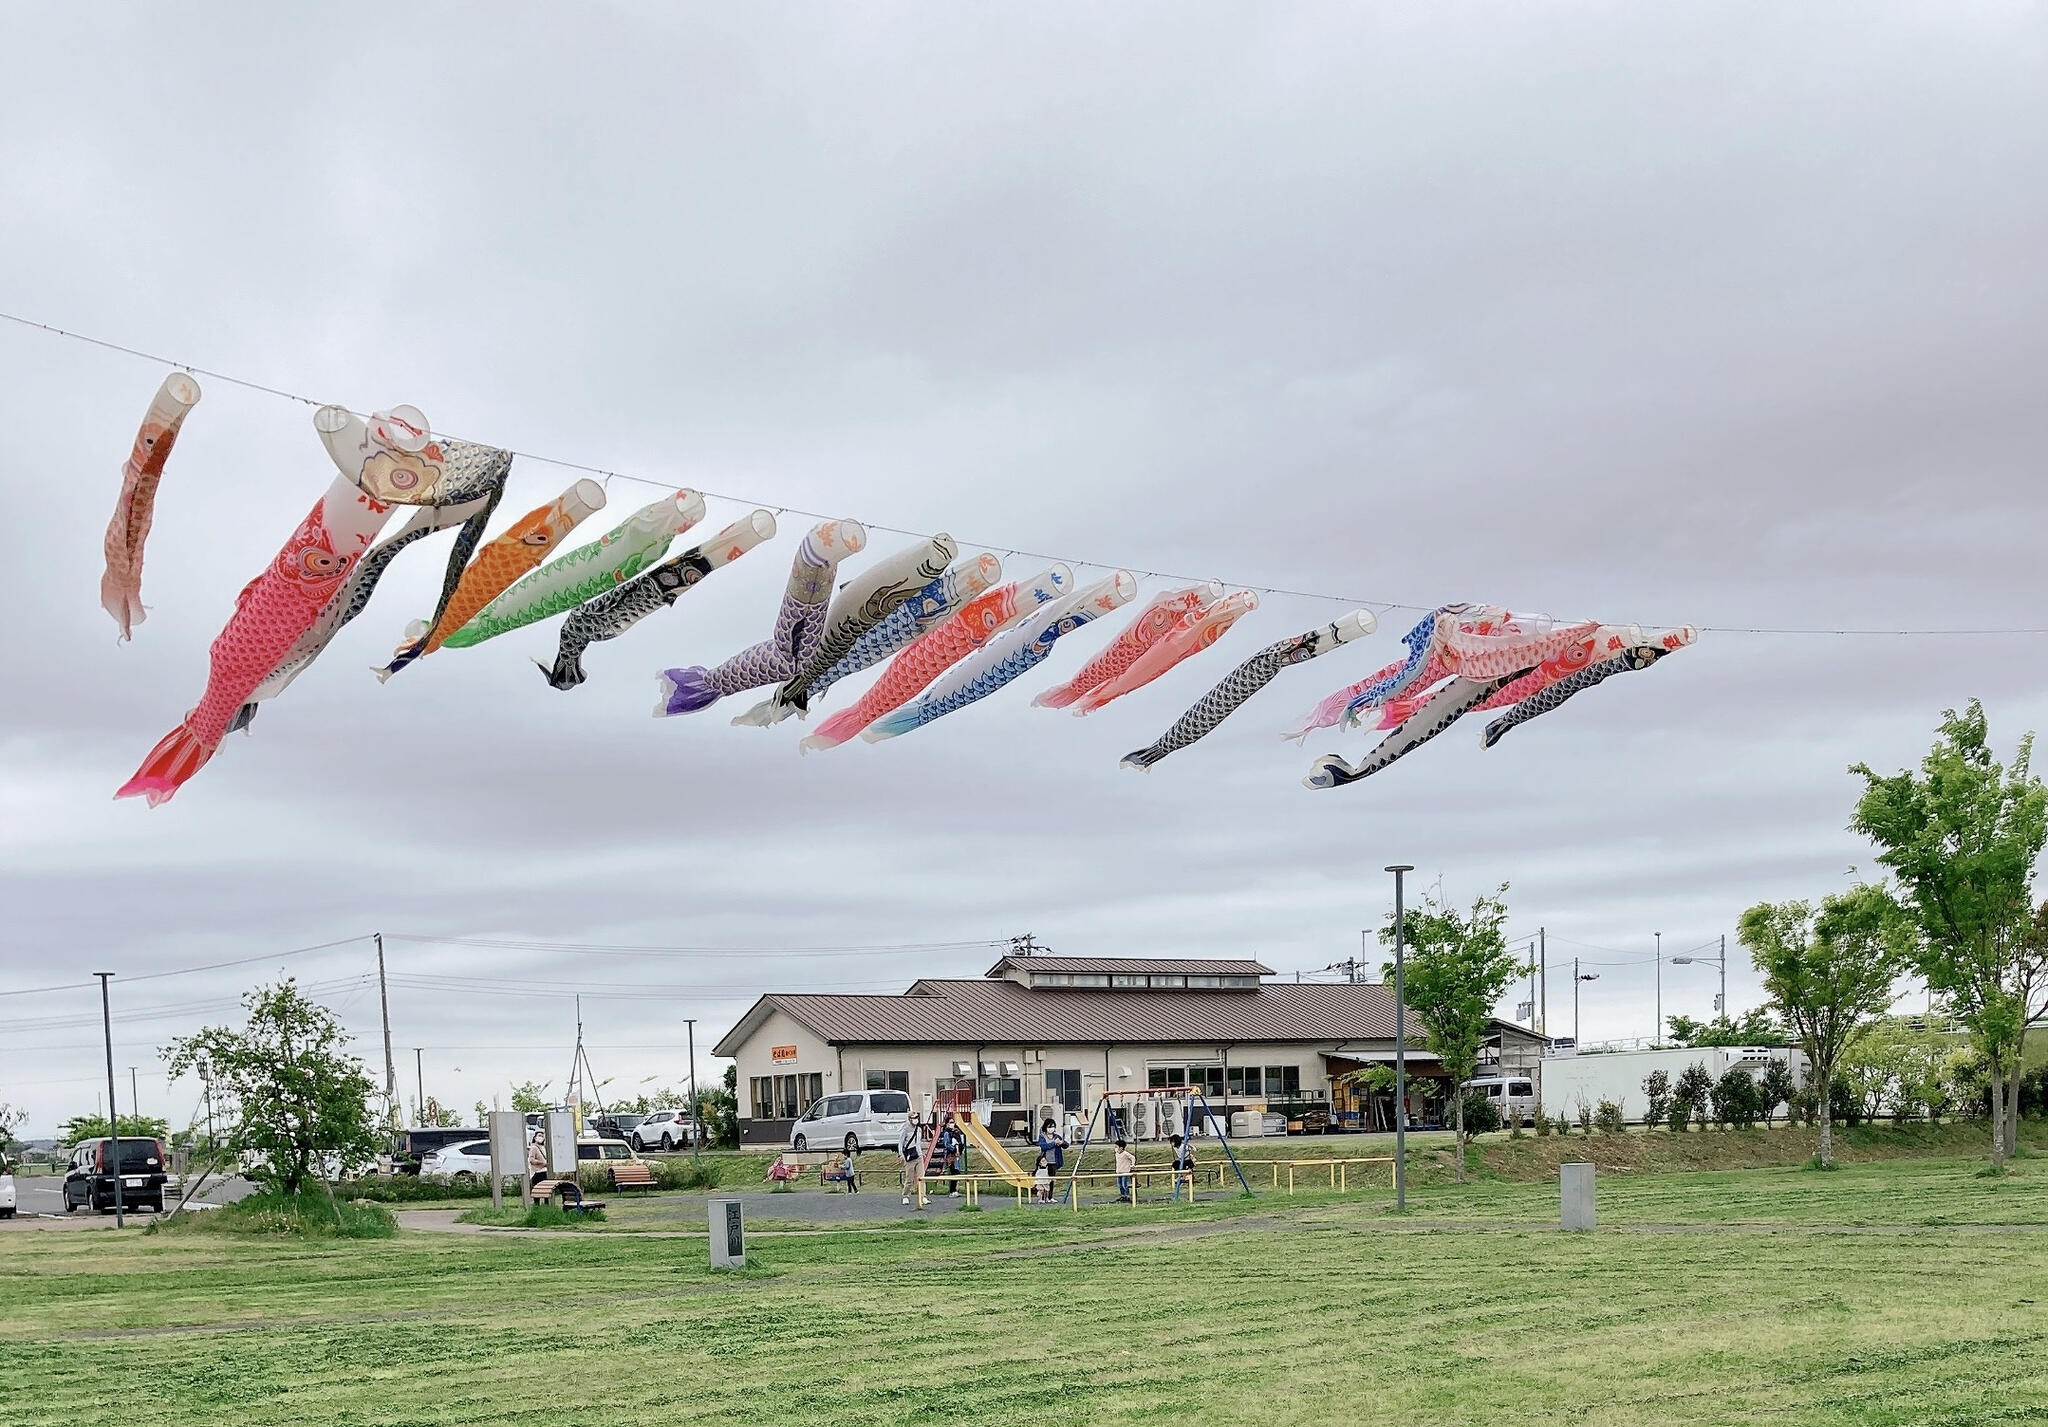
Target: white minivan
[854, 1121]
[1513, 1096]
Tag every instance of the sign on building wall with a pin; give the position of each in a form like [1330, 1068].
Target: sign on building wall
[782, 1054]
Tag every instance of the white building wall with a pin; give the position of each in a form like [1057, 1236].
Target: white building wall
[1619, 1075]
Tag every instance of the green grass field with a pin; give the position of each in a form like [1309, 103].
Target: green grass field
[1876, 1294]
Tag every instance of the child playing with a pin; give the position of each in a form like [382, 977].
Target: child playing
[1041, 1182]
[1126, 1166]
[1183, 1167]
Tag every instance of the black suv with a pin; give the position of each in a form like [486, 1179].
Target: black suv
[89, 1181]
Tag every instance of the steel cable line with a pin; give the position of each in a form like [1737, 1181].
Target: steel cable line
[1381, 605]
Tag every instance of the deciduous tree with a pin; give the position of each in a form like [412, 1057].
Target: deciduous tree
[1829, 977]
[1458, 965]
[1962, 836]
[292, 1093]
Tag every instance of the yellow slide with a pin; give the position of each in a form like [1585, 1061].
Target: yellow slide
[998, 1157]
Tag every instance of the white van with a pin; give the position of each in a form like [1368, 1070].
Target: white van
[856, 1120]
[1514, 1096]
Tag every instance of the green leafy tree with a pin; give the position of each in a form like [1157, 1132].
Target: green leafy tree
[530, 1097]
[1962, 836]
[1657, 1091]
[1737, 1100]
[435, 1116]
[94, 1127]
[12, 1117]
[1829, 976]
[1756, 1027]
[292, 1094]
[1689, 1096]
[1778, 1088]
[1458, 965]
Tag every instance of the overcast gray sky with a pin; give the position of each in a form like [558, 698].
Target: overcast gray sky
[1725, 314]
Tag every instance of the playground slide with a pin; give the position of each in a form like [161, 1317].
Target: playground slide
[998, 1157]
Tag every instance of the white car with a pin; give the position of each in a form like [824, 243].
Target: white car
[6, 1191]
[463, 1163]
[664, 1129]
[854, 1121]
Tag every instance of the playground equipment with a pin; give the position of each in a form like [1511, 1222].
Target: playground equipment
[956, 1107]
[1168, 1115]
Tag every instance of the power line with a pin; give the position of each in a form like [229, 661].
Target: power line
[1382, 605]
[188, 970]
[588, 948]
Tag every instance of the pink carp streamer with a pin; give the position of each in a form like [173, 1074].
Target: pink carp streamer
[1189, 636]
[1147, 627]
[1606, 641]
[391, 461]
[121, 584]
[939, 649]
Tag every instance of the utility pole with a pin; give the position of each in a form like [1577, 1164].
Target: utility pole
[419, 1072]
[1657, 1035]
[1542, 986]
[113, 1105]
[1721, 1004]
[1532, 984]
[134, 1097]
[696, 1120]
[1400, 1046]
[390, 1069]
[1576, 979]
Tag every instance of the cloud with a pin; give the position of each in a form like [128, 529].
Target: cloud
[1729, 319]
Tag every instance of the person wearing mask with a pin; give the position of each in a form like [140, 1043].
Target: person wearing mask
[910, 1146]
[1126, 1167]
[1052, 1146]
[953, 1157]
[1041, 1182]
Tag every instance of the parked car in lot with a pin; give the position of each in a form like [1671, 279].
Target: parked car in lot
[463, 1163]
[592, 1149]
[854, 1121]
[6, 1189]
[95, 1164]
[664, 1129]
[615, 1125]
[410, 1150]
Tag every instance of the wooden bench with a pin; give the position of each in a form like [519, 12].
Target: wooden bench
[568, 1191]
[632, 1176]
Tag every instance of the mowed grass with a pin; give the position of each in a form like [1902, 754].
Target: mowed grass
[1319, 1310]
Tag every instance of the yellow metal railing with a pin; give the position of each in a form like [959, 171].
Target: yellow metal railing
[1339, 1170]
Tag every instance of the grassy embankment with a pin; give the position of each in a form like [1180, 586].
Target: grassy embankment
[1315, 1311]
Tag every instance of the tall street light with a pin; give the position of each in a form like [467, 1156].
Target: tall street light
[1400, 1045]
[1657, 1035]
[1720, 1001]
[1577, 977]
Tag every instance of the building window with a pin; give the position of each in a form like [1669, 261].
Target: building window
[1283, 1080]
[1206, 1078]
[1204, 982]
[1091, 978]
[1241, 983]
[1126, 979]
[784, 1097]
[1246, 1080]
[761, 1090]
[1063, 1088]
[1004, 1090]
[1051, 978]
[888, 1080]
[1170, 981]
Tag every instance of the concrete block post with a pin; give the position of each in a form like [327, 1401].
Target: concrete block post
[728, 1234]
[1575, 1183]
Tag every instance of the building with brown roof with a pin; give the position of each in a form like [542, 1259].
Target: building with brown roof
[1043, 1033]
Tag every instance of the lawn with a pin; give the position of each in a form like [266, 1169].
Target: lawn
[1316, 1310]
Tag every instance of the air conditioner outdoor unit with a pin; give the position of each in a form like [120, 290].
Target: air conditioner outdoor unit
[1172, 1118]
[1143, 1120]
[1046, 1112]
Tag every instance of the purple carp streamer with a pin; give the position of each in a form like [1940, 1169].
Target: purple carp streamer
[1444, 708]
[612, 614]
[798, 626]
[1247, 679]
[869, 598]
[135, 509]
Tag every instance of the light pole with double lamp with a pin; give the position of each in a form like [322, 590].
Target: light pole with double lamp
[1400, 1046]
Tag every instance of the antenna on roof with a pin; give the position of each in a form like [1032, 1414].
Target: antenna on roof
[1026, 945]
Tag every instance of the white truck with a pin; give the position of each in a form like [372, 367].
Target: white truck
[1619, 1075]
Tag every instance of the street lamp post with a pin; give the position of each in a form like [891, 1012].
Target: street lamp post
[113, 1105]
[1400, 1045]
[1657, 1034]
[1721, 961]
[1576, 979]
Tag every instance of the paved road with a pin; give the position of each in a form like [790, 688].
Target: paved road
[43, 1194]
